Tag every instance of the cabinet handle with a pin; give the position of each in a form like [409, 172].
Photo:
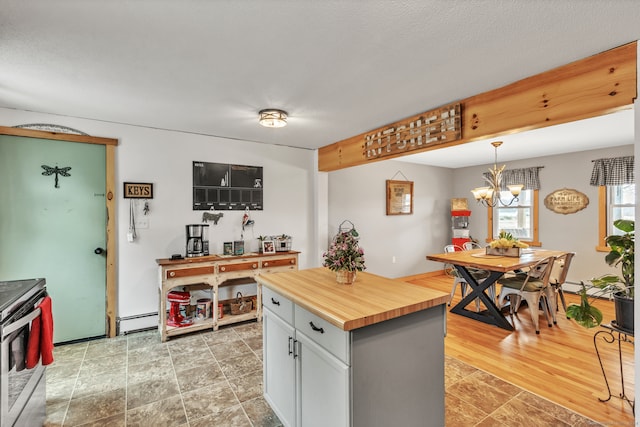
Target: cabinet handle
[171, 274]
[223, 268]
[295, 348]
[274, 302]
[265, 264]
[315, 328]
[254, 266]
[293, 261]
[290, 351]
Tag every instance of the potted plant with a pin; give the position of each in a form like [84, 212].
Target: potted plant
[620, 288]
[344, 256]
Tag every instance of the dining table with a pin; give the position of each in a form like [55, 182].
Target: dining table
[496, 266]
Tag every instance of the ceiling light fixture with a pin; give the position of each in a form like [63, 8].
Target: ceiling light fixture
[272, 118]
[490, 196]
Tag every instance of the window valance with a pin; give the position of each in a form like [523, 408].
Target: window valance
[530, 177]
[613, 171]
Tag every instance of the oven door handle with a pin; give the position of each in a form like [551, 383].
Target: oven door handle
[12, 327]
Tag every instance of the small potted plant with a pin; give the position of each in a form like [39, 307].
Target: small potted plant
[344, 256]
[620, 288]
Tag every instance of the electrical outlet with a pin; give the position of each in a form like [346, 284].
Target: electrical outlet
[393, 259]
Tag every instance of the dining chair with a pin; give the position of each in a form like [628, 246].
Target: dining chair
[558, 277]
[531, 287]
[450, 270]
[477, 274]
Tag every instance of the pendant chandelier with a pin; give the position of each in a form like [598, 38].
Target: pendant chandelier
[490, 196]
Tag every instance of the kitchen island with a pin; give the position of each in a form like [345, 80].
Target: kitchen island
[366, 354]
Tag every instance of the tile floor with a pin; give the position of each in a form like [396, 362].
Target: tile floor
[215, 379]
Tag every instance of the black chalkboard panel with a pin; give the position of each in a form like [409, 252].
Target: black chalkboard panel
[223, 186]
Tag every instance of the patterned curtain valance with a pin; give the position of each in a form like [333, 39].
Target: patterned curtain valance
[530, 177]
[613, 171]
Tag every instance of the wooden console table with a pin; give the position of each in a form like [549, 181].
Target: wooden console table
[211, 273]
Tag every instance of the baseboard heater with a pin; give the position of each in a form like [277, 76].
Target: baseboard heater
[137, 323]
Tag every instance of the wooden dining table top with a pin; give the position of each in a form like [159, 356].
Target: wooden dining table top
[478, 258]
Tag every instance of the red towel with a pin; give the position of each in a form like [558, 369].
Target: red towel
[41, 336]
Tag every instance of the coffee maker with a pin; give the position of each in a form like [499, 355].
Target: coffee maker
[197, 240]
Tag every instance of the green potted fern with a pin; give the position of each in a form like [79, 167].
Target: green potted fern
[620, 288]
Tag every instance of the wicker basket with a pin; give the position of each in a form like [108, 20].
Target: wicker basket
[241, 305]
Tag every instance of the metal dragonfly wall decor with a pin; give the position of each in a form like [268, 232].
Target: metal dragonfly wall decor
[48, 170]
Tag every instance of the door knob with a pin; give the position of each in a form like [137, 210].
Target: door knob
[99, 251]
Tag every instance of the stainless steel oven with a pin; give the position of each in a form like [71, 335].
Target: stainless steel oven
[22, 390]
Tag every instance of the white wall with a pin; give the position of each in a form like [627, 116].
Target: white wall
[358, 194]
[164, 158]
[576, 232]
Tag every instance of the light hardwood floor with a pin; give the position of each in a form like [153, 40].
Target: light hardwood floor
[559, 364]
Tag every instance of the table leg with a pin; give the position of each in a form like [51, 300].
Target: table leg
[492, 314]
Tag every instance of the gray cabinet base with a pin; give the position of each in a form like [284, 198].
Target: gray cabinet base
[397, 371]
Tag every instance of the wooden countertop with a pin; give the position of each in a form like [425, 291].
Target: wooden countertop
[215, 257]
[371, 299]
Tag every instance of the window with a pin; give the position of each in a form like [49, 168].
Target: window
[520, 219]
[615, 202]
[622, 205]
[517, 218]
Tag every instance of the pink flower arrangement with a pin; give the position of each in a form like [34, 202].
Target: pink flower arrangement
[344, 253]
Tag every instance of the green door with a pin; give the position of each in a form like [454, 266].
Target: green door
[54, 232]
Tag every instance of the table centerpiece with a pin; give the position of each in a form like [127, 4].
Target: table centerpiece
[505, 245]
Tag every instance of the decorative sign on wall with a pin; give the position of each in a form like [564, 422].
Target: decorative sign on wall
[566, 201]
[430, 128]
[138, 190]
[399, 197]
[221, 186]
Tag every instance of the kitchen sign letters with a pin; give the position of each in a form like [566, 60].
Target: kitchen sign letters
[430, 128]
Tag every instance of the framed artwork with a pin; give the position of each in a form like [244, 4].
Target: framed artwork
[227, 248]
[268, 247]
[399, 197]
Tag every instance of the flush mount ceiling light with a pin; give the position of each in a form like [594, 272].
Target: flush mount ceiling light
[272, 118]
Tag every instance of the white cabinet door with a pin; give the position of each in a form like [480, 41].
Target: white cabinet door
[323, 386]
[279, 367]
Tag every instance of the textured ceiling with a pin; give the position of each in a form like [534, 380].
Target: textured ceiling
[339, 68]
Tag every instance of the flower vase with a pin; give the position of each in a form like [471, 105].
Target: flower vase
[345, 277]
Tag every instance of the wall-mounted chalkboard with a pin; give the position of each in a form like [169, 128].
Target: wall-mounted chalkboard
[222, 186]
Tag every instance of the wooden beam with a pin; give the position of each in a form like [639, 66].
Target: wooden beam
[591, 87]
[30, 133]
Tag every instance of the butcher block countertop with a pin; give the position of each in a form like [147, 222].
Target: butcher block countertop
[370, 299]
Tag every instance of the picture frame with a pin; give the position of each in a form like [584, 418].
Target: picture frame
[268, 247]
[238, 247]
[227, 248]
[399, 197]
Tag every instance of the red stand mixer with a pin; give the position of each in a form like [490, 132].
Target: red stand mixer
[176, 299]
